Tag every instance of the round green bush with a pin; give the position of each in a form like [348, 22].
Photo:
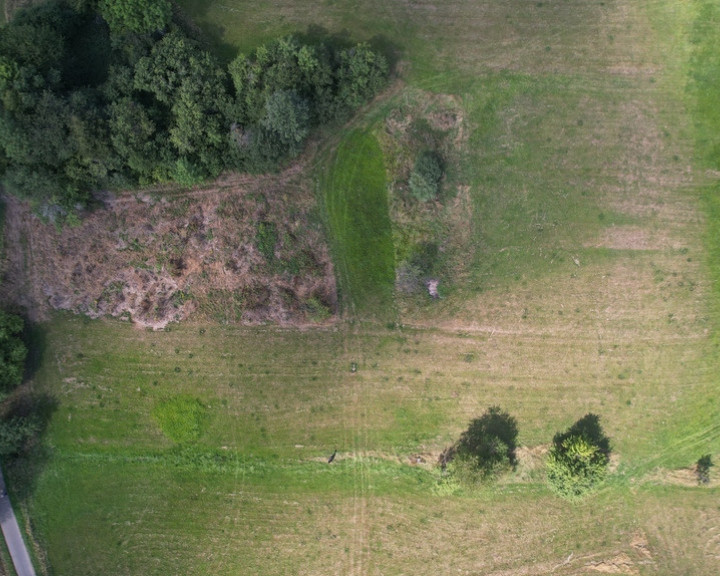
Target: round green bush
[578, 460]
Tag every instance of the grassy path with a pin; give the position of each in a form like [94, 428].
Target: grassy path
[355, 198]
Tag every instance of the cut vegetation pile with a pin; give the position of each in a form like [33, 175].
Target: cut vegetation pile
[160, 256]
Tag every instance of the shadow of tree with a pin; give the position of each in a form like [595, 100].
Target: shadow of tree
[316, 34]
[35, 408]
[209, 35]
[24, 468]
[588, 428]
[36, 342]
[486, 448]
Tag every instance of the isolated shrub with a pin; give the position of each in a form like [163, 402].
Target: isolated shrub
[12, 352]
[702, 469]
[579, 458]
[426, 176]
[486, 448]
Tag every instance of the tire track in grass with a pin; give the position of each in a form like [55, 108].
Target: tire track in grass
[358, 431]
[355, 201]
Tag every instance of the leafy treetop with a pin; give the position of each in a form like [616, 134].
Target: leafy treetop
[12, 352]
[130, 99]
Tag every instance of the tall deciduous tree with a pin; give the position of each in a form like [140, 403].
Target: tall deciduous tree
[287, 119]
[486, 448]
[189, 82]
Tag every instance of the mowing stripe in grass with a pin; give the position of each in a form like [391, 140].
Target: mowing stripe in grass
[355, 197]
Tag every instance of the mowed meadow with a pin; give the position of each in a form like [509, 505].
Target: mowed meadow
[576, 275]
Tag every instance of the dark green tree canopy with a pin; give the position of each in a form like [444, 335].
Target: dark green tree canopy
[15, 433]
[486, 448]
[490, 438]
[12, 352]
[333, 81]
[287, 118]
[86, 106]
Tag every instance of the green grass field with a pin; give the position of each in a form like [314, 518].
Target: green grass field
[581, 263]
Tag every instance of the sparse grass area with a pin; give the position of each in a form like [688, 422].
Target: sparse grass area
[277, 402]
[704, 92]
[580, 282]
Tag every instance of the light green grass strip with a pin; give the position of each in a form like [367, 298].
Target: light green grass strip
[355, 198]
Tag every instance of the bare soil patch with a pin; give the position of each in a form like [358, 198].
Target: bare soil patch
[620, 564]
[681, 477]
[634, 238]
[246, 250]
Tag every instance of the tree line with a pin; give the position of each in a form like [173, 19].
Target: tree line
[120, 93]
[577, 462]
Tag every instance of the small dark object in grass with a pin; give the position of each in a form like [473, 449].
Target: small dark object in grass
[702, 469]
[332, 456]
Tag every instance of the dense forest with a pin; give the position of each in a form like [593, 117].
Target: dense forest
[123, 93]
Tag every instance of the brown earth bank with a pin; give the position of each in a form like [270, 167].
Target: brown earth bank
[245, 250]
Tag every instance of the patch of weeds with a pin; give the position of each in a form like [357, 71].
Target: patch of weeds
[317, 310]
[420, 265]
[181, 418]
[112, 289]
[426, 175]
[179, 208]
[140, 264]
[223, 306]
[266, 238]
[180, 297]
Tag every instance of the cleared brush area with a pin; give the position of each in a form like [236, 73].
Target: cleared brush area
[578, 268]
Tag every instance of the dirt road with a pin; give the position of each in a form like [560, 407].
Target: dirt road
[11, 531]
